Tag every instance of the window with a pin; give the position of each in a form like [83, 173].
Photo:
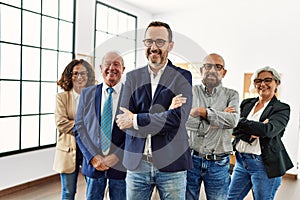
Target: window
[115, 30]
[36, 43]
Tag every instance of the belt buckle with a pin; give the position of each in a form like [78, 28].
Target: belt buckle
[207, 157]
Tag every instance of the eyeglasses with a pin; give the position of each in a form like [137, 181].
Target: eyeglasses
[265, 80]
[217, 67]
[82, 74]
[158, 42]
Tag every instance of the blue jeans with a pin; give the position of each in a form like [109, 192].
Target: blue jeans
[96, 187]
[141, 182]
[68, 185]
[249, 172]
[215, 176]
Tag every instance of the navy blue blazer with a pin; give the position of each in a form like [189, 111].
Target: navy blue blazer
[169, 139]
[274, 154]
[87, 134]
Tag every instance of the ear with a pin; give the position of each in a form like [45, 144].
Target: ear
[224, 73]
[170, 46]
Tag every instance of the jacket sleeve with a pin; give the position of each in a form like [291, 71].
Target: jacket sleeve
[169, 120]
[83, 140]
[63, 123]
[277, 121]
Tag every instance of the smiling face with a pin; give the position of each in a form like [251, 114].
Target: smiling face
[265, 85]
[158, 56]
[212, 76]
[79, 77]
[112, 68]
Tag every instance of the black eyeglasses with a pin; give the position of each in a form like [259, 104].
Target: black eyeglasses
[158, 42]
[217, 67]
[82, 74]
[265, 80]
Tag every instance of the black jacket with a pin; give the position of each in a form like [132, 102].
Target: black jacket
[274, 154]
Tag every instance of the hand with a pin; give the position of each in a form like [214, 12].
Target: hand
[97, 162]
[125, 120]
[254, 136]
[199, 111]
[229, 109]
[111, 160]
[266, 121]
[177, 101]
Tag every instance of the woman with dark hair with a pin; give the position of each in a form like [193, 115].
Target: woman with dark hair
[261, 158]
[77, 75]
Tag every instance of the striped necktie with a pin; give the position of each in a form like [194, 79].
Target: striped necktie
[106, 121]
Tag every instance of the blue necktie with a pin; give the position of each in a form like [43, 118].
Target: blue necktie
[106, 121]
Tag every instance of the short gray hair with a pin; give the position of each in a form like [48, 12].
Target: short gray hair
[275, 74]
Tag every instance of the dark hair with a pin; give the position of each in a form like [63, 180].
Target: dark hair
[158, 23]
[65, 82]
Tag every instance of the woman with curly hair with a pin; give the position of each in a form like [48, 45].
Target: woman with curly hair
[68, 157]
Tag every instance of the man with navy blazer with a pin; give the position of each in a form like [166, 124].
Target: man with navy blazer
[99, 166]
[156, 146]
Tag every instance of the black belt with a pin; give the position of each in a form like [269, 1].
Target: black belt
[147, 158]
[212, 157]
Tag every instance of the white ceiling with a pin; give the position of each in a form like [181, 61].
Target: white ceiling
[156, 7]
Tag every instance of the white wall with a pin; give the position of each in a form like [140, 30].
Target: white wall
[25, 167]
[250, 35]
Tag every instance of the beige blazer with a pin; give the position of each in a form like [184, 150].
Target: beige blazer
[65, 152]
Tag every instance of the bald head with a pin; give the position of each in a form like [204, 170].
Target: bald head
[214, 58]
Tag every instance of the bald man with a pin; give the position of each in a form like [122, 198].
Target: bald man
[214, 113]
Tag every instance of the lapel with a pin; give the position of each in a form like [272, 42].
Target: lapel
[71, 104]
[164, 80]
[98, 95]
[248, 107]
[268, 109]
[146, 82]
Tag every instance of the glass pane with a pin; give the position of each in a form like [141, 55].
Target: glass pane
[123, 26]
[65, 36]
[9, 98]
[34, 5]
[10, 24]
[48, 135]
[30, 131]
[12, 2]
[48, 95]
[9, 125]
[102, 13]
[129, 60]
[112, 21]
[50, 7]
[63, 60]
[31, 64]
[131, 27]
[10, 61]
[100, 38]
[49, 33]
[66, 10]
[30, 97]
[49, 65]
[31, 28]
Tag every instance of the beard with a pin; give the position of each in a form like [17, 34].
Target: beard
[211, 80]
[156, 62]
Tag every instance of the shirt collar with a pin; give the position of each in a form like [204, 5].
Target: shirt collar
[117, 87]
[159, 71]
[214, 90]
[75, 94]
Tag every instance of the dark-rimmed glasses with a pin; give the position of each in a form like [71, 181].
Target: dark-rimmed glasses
[82, 74]
[217, 67]
[258, 81]
[158, 42]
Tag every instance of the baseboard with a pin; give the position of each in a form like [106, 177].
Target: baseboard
[27, 185]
